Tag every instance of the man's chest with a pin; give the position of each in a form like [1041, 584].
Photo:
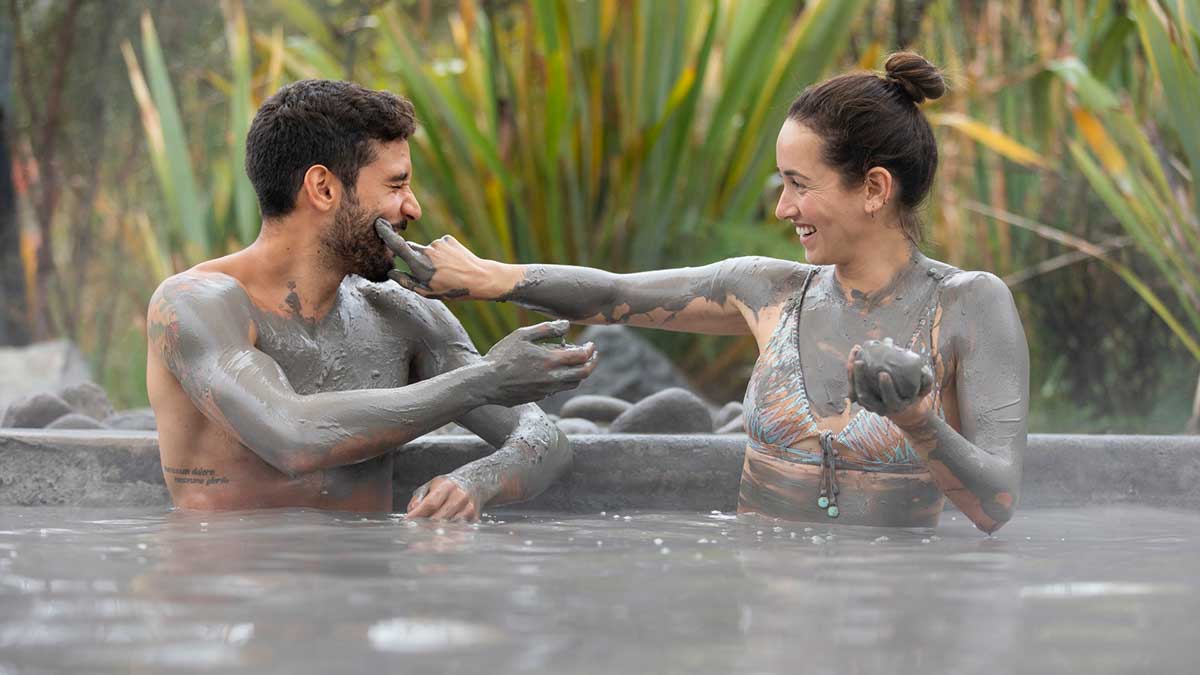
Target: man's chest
[339, 354]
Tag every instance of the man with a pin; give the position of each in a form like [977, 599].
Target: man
[281, 375]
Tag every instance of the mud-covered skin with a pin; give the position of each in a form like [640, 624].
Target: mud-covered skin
[299, 411]
[980, 352]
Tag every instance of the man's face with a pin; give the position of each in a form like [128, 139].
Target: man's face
[384, 189]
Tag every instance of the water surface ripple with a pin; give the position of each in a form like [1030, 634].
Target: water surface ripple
[1098, 590]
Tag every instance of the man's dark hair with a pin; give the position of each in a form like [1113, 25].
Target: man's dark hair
[319, 122]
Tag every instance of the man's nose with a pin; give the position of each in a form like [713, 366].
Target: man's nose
[411, 209]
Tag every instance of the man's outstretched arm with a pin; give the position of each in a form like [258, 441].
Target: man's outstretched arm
[200, 326]
[531, 450]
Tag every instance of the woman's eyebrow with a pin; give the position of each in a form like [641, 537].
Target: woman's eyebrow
[792, 172]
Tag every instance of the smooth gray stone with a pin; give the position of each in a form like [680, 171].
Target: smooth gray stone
[40, 368]
[35, 411]
[138, 419]
[630, 368]
[577, 425]
[74, 421]
[672, 411]
[731, 411]
[736, 425]
[88, 398]
[595, 407]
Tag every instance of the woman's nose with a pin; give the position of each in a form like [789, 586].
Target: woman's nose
[785, 209]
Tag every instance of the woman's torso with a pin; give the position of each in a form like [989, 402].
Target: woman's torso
[799, 391]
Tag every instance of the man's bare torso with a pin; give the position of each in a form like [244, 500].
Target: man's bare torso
[361, 343]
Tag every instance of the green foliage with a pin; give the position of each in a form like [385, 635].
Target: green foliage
[635, 135]
[1148, 184]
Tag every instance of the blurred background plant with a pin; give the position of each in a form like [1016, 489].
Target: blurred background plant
[627, 135]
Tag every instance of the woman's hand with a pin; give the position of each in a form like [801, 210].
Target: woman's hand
[890, 381]
[445, 269]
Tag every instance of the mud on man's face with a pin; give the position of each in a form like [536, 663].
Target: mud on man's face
[352, 244]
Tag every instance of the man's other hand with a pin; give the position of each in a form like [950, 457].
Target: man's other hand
[444, 498]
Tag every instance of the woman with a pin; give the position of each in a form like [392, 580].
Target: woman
[885, 380]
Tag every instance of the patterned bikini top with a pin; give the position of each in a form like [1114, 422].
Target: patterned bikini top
[779, 417]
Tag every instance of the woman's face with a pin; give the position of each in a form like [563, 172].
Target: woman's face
[828, 218]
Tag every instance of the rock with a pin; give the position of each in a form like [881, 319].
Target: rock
[732, 410]
[449, 429]
[35, 412]
[39, 368]
[595, 407]
[736, 425]
[139, 419]
[87, 398]
[576, 425]
[74, 421]
[630, 368]
[671, 411]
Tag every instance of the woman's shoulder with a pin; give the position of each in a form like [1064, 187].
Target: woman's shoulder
[760, 280]
[976, 301]
[969, 286]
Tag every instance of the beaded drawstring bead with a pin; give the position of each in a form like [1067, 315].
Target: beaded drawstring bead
[828, 482]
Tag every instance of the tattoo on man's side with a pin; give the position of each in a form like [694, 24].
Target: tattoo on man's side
[195, 475]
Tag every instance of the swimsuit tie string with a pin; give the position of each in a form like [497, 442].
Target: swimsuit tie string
[828, 483]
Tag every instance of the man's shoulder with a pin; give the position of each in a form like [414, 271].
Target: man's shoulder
[198, 288]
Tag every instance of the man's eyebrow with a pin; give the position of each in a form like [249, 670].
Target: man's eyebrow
[792, 172]
[399, 178]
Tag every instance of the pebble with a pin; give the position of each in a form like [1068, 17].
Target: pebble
[670, 411]
[595, 408]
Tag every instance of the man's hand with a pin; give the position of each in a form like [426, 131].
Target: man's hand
[526, 371]
[445, 269]
[445, 498]
[890, 381]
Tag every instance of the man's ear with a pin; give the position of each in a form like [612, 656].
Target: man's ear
[880, 190]
[321, 188]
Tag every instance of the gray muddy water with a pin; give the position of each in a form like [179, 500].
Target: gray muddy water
[1100, 590]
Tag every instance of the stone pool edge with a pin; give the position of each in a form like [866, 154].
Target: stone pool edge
[611, 471]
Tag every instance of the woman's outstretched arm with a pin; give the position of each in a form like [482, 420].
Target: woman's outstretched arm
[723, 298]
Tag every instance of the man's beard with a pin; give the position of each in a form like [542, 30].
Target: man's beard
[351, 245]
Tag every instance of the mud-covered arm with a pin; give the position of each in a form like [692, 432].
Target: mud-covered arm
[200, 326]
[531, 450]
[721, 298]
[980, 469]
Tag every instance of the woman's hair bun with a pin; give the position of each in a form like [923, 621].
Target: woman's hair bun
[919, 78]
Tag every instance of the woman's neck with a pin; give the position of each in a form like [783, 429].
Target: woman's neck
[876, 272]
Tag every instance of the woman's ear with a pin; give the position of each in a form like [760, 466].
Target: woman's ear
[320, 187]
[880, 190]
